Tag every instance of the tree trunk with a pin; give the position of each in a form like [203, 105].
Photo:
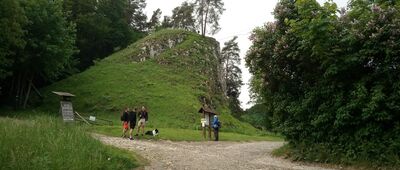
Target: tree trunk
[17, 91]
[22, 91]
[10, 93]
[28, 92]
[205, 19]
[24, 88]
[37, 91]
[226, 69]
[202, 16]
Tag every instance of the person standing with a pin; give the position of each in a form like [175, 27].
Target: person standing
[216, 125]
[124, 120]
[143, 117]
[132, 122]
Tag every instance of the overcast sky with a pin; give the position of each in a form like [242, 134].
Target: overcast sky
[239, 19]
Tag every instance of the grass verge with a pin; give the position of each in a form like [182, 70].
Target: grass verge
[186, 134]
[327, 159]
[44, 142]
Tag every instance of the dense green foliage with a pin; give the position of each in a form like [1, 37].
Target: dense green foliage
[171, 84]
[43, 142]
[182, 17]
[104, 26]
[12, 21]
[259, 117]
[332, 83]
[38, 45]
[232, 74]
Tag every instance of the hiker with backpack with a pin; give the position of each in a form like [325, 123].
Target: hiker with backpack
[216, 125]
[125, 122]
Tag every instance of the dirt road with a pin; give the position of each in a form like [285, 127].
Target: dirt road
[207, 155]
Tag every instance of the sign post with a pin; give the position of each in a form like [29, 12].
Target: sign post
[207, 113]
[66, 108]
[67, 111]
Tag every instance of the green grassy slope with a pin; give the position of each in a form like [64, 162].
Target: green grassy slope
[170, 83]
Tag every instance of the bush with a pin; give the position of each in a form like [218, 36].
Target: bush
[332, 82]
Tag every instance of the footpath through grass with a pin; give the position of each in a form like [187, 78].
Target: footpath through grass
[44, 142]
[187, 134]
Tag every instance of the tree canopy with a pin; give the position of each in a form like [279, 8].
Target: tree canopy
[104, 26]
[155, 22]
[12, 21]
[38, 45]
[183, 17]
[208, 13]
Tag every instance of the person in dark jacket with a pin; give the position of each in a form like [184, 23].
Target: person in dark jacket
[216, 126]
[143, 118]
[125, 122]
[132, 122]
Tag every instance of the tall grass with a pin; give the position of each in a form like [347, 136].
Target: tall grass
[44, 142]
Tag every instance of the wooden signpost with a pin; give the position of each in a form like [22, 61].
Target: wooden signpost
[69, 114]
[66, 108]
[67, 111]
[207, 113]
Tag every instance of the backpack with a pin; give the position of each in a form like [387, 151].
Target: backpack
[122, 117]
[217, 126]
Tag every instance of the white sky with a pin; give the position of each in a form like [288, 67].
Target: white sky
[239, 18]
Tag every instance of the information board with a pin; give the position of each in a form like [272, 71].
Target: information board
[67, 111]
[203, 122]
[207, 123]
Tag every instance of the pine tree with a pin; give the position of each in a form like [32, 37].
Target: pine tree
[233, 74]
[135, 15]
[155, 22]
[208, 13]
[166, 23]
[182, 17]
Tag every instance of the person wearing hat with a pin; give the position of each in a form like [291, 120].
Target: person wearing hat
[216, 125]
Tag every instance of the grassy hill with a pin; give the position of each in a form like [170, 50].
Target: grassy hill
[170, 72]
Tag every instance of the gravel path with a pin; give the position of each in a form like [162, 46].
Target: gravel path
[207, 155]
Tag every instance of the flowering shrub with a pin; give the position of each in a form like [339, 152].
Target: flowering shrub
[331, 79]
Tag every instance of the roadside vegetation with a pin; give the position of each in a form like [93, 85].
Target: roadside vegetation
[175, 134]
[329, 80]
[45, 142]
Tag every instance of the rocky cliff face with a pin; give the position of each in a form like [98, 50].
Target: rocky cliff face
[189, 51]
